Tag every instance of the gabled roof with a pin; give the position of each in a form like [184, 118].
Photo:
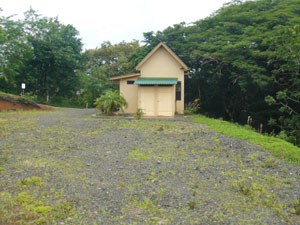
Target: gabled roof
[161, 44]
[125, 76]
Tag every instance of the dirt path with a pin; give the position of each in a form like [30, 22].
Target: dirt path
[66, 167]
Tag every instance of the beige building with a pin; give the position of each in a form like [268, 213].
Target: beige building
[158, 87]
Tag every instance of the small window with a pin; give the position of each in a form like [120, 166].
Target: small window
[130, 82]
[178, 91]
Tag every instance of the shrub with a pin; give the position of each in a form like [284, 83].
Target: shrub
[111, 102]
[192, 107]
[139, 113]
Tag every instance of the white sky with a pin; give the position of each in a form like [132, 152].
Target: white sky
[115, 20]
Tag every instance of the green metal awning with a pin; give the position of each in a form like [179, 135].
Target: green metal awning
[156, 80]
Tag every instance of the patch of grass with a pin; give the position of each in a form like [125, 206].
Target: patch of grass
[296, 205]
[146, 210]
[138, 154]
[14, 122]
[270, 163]
[278, 147]
[259, 192]
[37, 181]
[30, 208]
[65, 104]
[192, 205]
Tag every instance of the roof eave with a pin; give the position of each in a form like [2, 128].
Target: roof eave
[124, 76]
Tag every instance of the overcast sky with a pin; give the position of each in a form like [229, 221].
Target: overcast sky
[115, 20]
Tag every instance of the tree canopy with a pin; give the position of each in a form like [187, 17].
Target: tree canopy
[41, 52]
[107, 61]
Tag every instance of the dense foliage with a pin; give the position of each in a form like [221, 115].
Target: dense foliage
[243, 62]
[103, 63]
[41, 52]
[285, 57]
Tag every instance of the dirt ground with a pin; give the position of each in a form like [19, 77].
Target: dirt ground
[66, 167]
[8, 106]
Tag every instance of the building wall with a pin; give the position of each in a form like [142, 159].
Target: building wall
[162, 64]
[130, 93]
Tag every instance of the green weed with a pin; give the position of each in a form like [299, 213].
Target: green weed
[38, 181]
[270, 163]
[192, 205]
[29, 208]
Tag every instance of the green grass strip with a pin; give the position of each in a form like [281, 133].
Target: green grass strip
[278, 147]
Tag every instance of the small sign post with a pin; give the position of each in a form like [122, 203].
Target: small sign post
[23, 88]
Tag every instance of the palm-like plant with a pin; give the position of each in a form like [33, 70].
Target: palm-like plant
[111, 102]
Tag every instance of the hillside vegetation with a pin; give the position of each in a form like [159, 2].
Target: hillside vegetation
[243, 62]
[13, 102]
[278, 147]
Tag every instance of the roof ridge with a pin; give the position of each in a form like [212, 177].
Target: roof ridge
[162, 44]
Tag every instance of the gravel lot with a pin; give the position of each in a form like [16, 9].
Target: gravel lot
[149, 171]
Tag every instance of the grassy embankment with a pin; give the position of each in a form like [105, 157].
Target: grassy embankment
[59, 102]
[14, 99]
[278, 147]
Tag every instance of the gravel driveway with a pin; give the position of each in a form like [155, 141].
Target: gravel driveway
[85, 170]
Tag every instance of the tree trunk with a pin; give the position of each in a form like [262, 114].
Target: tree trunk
[227, 107]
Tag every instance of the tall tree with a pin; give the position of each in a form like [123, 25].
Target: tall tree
[105, 62]
[229, 59]
[113, 59]
[14, 51]
[56, 55]
[284, 57]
